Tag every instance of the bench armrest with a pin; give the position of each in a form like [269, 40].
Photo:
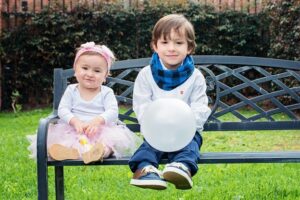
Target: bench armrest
[42, 134]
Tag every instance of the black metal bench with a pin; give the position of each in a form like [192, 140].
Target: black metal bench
[235, 83]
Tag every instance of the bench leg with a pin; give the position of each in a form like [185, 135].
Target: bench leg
[42, 175]
[59, 182]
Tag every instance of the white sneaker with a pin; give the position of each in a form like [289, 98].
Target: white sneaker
[178, 174]
[149, 177]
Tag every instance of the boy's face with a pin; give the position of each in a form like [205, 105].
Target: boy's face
[173, 49]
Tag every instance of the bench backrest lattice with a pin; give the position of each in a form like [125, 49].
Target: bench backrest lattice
[269, 89]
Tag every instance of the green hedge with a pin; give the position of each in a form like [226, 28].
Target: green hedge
[30, 52]
[285, 30]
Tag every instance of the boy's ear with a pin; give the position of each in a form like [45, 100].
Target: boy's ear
[190, 51]
[153, 46]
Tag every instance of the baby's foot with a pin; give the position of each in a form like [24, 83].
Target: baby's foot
[60, 152]
[95, 154]
[107, 151]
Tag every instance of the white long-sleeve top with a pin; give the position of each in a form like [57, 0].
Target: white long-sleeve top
[192, 91]
[104, 104]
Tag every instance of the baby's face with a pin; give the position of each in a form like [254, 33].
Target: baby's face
[172, 50]
[91, 71]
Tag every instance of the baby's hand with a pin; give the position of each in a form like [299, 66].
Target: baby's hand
[92, 127]
[90, 130]
[77, 124]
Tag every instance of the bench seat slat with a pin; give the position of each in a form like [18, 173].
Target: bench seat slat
[207, 158]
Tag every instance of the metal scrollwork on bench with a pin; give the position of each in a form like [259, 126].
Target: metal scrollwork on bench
[267, 89]
[123, 87]
[212, 88]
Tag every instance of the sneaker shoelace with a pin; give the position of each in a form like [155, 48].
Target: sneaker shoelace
[152, 169]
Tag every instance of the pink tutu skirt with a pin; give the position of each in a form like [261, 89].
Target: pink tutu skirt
[118, 138]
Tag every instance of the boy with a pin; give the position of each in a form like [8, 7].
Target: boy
[171, 74]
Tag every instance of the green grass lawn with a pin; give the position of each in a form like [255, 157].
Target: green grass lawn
[222, 181]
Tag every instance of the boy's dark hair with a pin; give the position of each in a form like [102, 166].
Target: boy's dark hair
[176, 22]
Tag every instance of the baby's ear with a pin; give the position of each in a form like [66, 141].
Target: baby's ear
[108, 74]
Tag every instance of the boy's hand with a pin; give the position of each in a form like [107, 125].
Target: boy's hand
[92, 127]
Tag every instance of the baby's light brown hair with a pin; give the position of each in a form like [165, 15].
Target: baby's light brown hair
[176, 22]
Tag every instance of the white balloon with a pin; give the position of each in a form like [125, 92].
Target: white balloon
[168, 124]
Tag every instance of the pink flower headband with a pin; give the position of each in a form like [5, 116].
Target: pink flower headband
[101, 49]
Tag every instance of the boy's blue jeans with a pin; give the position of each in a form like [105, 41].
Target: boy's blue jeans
[147, 155]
